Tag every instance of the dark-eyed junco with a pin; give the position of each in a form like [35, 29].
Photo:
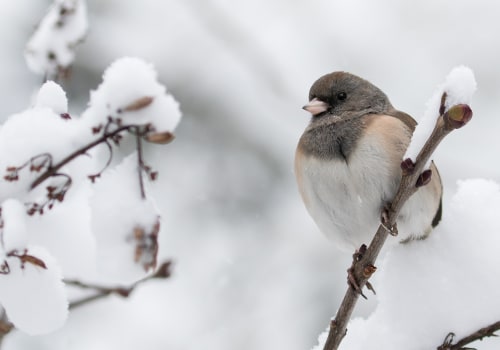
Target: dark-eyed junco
[347, 163]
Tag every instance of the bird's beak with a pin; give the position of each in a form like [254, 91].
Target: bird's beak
[316, 106]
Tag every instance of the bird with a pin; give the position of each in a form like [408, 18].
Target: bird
[348, 163]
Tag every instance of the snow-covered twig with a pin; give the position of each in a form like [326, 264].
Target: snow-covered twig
[53, 169]
[488, 331]
[414, 176]
[51, 49]
[111, 133]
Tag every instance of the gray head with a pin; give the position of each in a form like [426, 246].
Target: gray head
[345, 95]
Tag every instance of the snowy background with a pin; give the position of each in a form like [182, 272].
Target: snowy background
[251, 269]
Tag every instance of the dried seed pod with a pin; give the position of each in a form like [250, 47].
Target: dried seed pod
[140, 103]
[161, 138]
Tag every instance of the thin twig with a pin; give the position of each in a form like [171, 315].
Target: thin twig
[53, 169]
[163, 272]
[488, 331]
[363, 266]
[138, 137]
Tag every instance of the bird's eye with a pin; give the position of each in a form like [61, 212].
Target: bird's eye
[341, 96]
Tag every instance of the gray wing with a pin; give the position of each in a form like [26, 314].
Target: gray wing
[405, 118]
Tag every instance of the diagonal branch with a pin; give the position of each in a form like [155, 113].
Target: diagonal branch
[163, 272]
[488, 331]
[413, 176]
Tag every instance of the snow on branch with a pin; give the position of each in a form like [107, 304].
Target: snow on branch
[488, 331]
[458, 88]
[51, 49]
[74, 197]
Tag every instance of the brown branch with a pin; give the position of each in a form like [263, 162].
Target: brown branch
[488, 331]
[140, 162]
[363, 264]
[163, 272]
[53, 169]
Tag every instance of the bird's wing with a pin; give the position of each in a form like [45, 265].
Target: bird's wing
[405, 118]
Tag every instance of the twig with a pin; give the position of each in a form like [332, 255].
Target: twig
[363, 266]
[53, 169]
[163, 272]
[488, 331]
[140, 162]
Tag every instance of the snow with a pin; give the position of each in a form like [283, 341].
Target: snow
[104, 232]
[118, 211]
[67, 236]
[125, 82]
[429, 288]
[459, 86]
[31, 133]
[51, 48]
[34, 297]
[14, 231]
[51, 95]
[251, 271]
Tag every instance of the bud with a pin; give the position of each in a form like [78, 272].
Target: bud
[458, 115]
[407, 166]
[369, 270]
[161, 138]
[424, 178]
[146, 246]
[164, 271]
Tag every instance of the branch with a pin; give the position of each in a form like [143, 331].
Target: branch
[488, 331]
[163, 272]
[53, 169]
[140, 162]
[363, 265]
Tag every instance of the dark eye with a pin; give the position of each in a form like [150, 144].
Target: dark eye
[341, 96]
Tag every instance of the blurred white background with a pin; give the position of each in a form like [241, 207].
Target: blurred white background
[251, 269]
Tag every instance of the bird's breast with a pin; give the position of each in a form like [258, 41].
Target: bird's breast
[345, 196]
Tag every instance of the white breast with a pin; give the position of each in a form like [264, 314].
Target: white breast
[345, 199]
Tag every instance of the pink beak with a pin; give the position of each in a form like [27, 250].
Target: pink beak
[316, 106]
